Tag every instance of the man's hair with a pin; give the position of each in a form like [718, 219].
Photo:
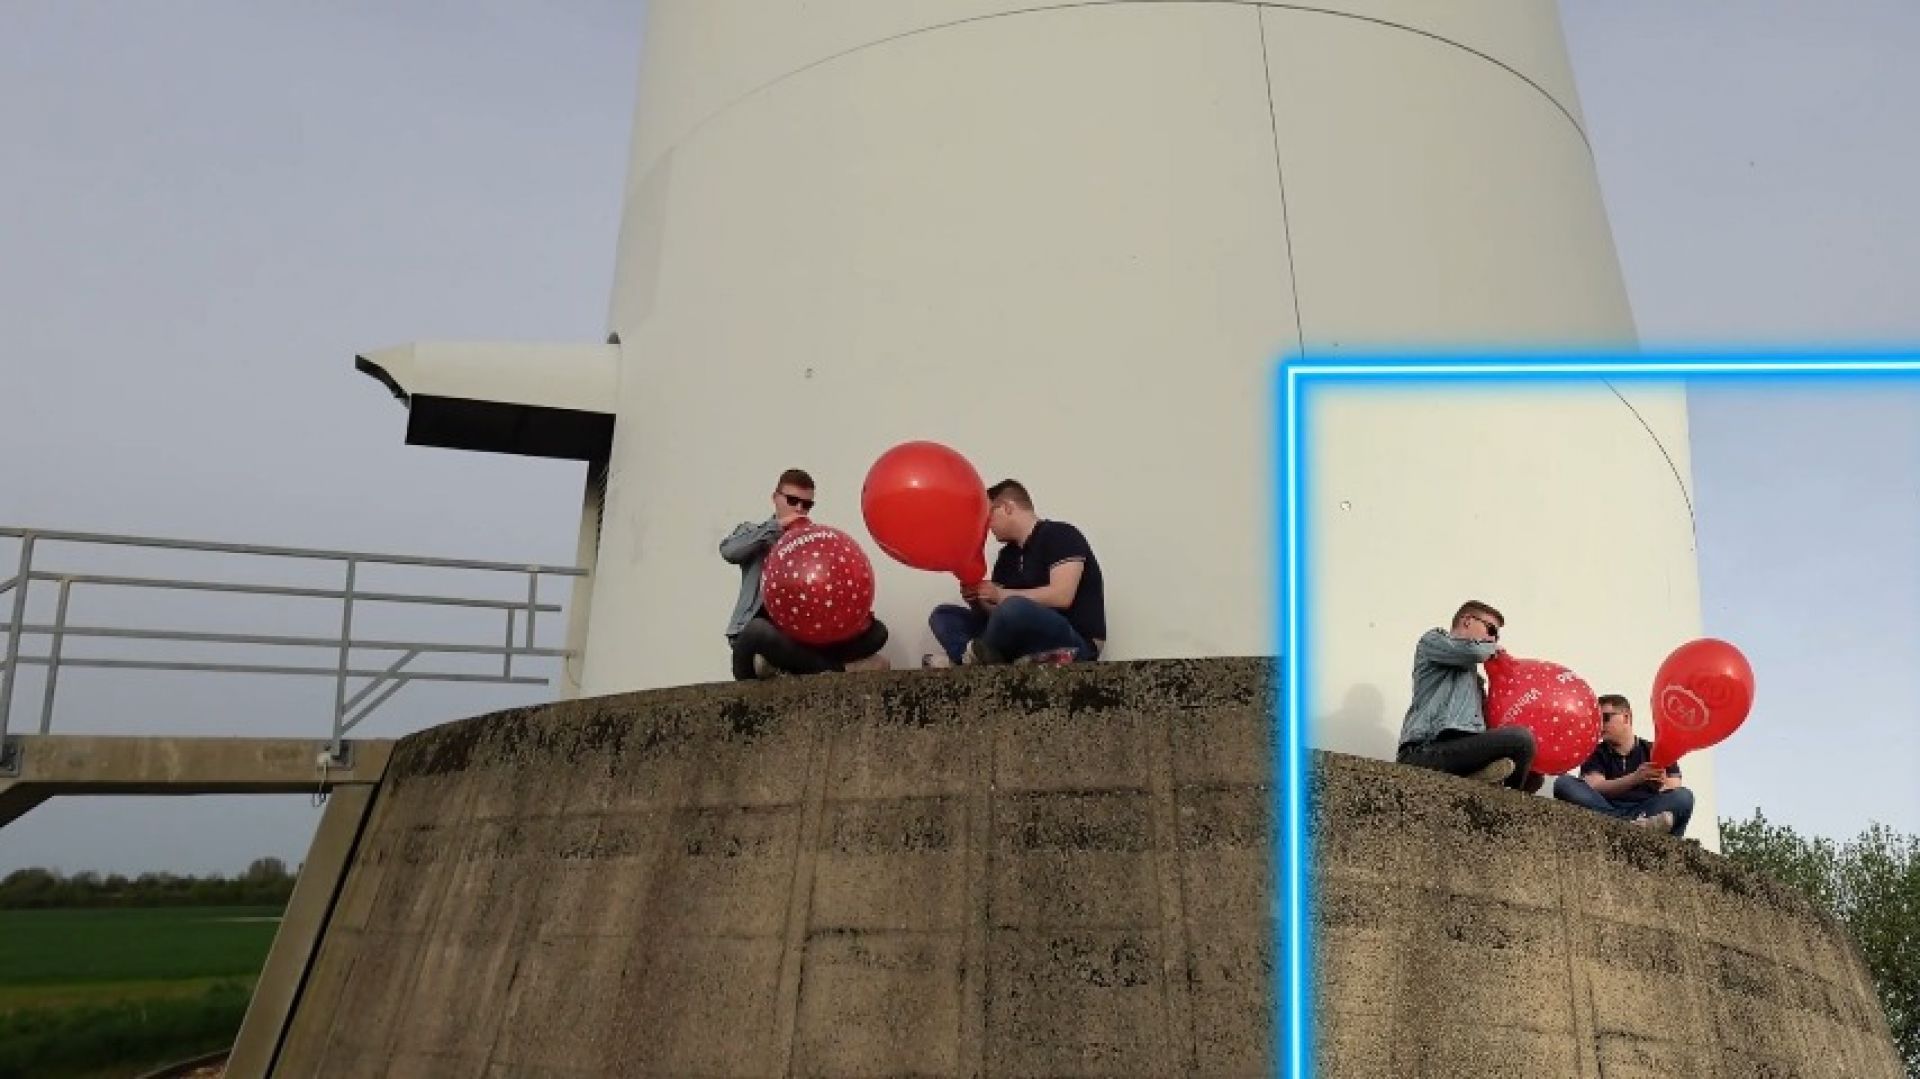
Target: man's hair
[1010, 491]
[1474, 606]
[795, 477]
[1615, 700]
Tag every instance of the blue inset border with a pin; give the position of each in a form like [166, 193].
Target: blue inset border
[1296, 377]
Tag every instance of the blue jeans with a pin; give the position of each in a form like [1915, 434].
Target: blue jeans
[1678, 801]
[1018, 627]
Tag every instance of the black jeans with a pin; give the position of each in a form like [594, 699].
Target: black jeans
[1460, 753]
[760, 637]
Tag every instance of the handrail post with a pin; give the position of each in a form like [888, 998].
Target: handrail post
[53, 656]
[21, 584]
[533, 600]
[346, 646]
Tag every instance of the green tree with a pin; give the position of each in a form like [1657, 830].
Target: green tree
[29, 888]
[1870, 884]
[1879, 893]
[265, 883]
[266, 869]
[1811, 865]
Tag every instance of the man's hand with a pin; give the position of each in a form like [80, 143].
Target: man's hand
[1648, 773]
[986, 594]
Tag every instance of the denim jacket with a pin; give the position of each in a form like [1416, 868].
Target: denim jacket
[1448, 694]
[747, 548]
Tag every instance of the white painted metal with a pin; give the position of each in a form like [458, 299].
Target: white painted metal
[582, 378]
[1070, 240]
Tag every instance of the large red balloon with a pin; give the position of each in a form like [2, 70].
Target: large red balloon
[1702, 693]
[817, 584]
[1554, 703]
[927, 508]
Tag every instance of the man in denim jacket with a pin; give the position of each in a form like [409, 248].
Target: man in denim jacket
[760, 649]
[1446, 726]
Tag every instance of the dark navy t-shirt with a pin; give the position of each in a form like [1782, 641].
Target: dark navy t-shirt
[1049, 544]
[1613, 765]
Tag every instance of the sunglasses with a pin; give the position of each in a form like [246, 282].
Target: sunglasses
[1492, 630]
[1615, 715]
[804, 505]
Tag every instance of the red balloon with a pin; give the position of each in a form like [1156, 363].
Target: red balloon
[1702, 693]
[1554, 703]
[927, 508]
[817, 584]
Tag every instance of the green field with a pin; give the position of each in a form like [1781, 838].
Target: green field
[83, 992]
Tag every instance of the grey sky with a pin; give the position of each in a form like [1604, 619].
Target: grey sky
[207, 209]
[1759, 170]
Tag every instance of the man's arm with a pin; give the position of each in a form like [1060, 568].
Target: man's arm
[1448, 651]
[1613, 788]
[1063, 583]
[748, 540]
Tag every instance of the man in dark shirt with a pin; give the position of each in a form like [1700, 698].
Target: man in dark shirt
[1046, 601]
[1620, 780]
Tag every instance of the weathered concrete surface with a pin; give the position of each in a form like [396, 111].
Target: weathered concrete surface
[301, 926]
[1469, 931]
[1021, 872]
[922, 873]
[59, 764]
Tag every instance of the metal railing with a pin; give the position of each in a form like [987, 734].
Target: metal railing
[349, 709]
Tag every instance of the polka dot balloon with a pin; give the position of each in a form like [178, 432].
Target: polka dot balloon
[1554, 703]
[817, 584]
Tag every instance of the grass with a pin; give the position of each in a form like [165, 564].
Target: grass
[65, 948]
[19, 997]
[132, 1035]
[102, 992]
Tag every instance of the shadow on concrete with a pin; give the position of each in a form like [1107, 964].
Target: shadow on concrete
[1360, 727]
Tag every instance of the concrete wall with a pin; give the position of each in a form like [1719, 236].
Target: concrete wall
[1466, 931]
[1022, 872]
[1026, 872]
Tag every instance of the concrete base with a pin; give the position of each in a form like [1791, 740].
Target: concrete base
[1024, 872]
[50, 764]
[299, 935]
[1465, 930]
[970, 872]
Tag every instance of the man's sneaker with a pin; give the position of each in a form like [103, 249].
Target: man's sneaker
[763, 669]
[979, 653]
[935, 661]
[875, 662]
[1662, 820]
[1497, 772]
[1052, 657]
